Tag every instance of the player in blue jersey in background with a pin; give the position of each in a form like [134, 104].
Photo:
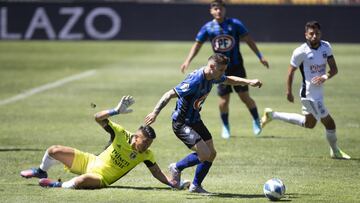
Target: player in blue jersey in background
[224, 35]
[186, 121]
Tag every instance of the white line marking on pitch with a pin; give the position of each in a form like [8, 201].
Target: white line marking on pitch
[47, 86]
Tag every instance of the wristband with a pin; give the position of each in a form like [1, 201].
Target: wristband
[325, 77]
[112, 112]
[259, 55]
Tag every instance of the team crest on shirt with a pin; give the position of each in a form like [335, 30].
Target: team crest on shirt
[229, 27]
[132, 155]
[324, 54]
[185, 87]
[223, 43]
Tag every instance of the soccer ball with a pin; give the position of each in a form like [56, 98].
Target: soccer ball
[274, 189]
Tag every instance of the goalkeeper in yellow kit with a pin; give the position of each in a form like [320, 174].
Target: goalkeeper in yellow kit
[126, 151]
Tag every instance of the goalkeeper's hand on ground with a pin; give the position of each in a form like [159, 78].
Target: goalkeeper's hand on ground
[124, 104]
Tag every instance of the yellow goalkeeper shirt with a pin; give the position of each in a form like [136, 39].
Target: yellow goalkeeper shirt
[119, 158]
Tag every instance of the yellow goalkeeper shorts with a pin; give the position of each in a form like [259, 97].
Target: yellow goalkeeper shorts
[83, 163]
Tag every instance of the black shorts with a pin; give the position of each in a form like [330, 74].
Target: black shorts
[235, 70]
[191, 134]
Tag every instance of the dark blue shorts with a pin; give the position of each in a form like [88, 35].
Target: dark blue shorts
[235, 70]
[192, 133]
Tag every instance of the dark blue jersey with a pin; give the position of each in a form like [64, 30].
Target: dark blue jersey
[224, 38]
[192, 93]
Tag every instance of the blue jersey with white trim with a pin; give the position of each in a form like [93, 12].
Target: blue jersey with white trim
[224, 38]
[192, 93]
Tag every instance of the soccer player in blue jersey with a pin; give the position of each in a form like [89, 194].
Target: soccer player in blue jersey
[186, 121]
[224, 35]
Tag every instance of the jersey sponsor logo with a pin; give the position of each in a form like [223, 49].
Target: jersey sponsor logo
[118, 160]
[199, 102]
[223, 43]
[315, 68]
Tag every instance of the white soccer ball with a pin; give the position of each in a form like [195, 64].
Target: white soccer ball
[274, 189]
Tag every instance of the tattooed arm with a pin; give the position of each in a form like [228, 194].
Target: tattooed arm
[149, 119]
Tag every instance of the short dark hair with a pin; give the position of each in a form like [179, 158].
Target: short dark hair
[148, 131]
[217, 3]
[312, 24]
[219, 59]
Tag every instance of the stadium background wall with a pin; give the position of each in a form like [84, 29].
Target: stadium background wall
[181, 22]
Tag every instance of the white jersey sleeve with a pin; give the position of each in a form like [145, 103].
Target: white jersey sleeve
[297, 57]
[329, 49]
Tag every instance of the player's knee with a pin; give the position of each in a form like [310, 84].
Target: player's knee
[204, 157]
[223, 102]
[212, 155]
[53, 150]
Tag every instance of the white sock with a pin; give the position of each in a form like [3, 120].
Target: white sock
[292, 118]
[331, 138]
[47, 162]
[69, 184]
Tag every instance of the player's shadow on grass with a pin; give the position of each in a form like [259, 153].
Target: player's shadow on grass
[352, 159]
[19, 149]
[138, 187]
[229, 195]
[121, 187]
[264, 137]
[277, 137]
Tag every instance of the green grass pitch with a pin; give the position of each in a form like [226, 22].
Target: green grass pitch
[63, 115]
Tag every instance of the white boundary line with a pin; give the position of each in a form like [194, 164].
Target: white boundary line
[47, 86]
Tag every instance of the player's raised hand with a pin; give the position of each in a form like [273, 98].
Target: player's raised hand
[124, 104]
[150, 118]
[255, 83]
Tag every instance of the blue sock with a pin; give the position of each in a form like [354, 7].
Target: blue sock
[201, 171]
[254, 113]
[225, 118]
[188, 161]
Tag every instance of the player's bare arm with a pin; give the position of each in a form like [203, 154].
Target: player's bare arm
[151, 117]
[193, 52]
[251, 43]
[333, 67]
[158, 174]
[233, 80]
[289, 82]
[122, 108]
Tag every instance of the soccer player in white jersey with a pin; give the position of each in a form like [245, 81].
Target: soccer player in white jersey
[311, 58]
